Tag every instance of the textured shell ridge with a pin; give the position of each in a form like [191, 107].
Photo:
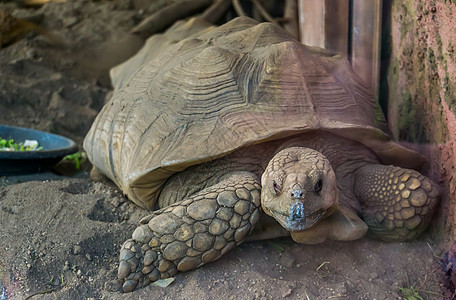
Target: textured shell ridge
[239, 84]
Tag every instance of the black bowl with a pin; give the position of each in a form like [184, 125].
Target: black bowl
[55, 147]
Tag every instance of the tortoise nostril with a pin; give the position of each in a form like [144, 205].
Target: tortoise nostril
[296, 194]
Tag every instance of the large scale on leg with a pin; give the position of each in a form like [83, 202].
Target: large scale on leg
[243, 128]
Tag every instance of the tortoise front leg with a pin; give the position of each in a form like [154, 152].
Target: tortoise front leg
[397, 204]
[192, 232]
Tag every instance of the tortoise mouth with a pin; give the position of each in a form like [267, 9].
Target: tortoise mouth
[298, 221]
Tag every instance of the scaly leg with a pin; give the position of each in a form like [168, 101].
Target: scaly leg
[192, 232]
[397, 204]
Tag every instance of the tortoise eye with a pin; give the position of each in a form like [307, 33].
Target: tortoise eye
[277, 188]
[318, 186]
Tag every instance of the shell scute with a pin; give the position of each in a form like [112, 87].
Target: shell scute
[237, 84]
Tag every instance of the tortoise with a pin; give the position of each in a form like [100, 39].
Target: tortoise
[243, 133]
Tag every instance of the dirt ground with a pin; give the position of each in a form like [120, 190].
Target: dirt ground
[60, 236]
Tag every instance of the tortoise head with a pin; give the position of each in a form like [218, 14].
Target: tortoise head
[298, 188]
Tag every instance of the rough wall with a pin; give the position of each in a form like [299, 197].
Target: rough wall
[421, 92]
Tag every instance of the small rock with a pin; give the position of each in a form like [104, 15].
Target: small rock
[374, 275]
[77, 250]
[117, 201]
[287, 260]
[16, 209]
[66, 266]
[31, 54]
[70, 21]
[113, 286]
[287, 293]
[56, 101]
[88, 256]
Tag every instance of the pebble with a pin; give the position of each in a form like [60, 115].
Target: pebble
[374, 275]
[31, 54]
[66, 266]
[287, 293]
[287, 260]
[113, 286]
[16, 209]
[77, 249]
[70, 21]
[117, 201]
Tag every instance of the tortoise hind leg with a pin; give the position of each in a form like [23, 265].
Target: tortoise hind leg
[192, 232]
[397, 204]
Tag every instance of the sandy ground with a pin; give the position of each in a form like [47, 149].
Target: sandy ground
[60, 236]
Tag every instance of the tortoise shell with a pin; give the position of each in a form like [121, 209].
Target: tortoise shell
[239, 84]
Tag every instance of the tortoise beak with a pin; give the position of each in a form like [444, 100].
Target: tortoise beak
[297, 217]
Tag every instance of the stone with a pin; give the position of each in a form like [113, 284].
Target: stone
[77, 249]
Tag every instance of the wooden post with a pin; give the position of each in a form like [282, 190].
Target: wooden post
[351, 28]
[366, 36]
